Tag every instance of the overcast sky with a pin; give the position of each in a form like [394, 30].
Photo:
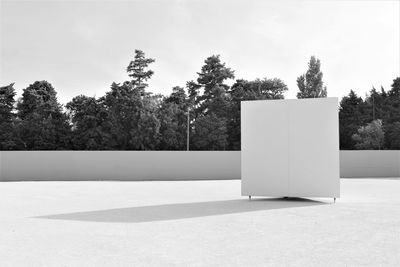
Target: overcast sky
[81, 47]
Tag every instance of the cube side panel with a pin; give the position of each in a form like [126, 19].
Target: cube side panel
[264, 151]
[314, 148]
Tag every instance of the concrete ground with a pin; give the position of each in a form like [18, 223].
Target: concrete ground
[196, 223]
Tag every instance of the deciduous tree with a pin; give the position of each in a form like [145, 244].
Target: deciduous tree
[43, 125]
[91, 125]
[173, 120]
[370, 136]
[210, 133]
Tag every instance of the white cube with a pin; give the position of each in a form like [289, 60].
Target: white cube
[290, 148]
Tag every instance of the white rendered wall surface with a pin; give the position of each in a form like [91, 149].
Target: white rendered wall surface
[118, 165]
[290, 148]
[369, 163]
[29, 165]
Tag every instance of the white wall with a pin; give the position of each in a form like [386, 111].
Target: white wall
[165, 165]
[369, 163]
[118, 165]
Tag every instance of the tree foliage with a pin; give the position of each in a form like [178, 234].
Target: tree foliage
[210, 133]
[91, 125]
[137, 70]
[128, 117]
[392, 135]
[350, 118]
[370, 136]
[378, 105]
[7, 132]
[210, 107]
[310, 84]
[43, 125]
[131, 110]
[132, 115]
[173, 120]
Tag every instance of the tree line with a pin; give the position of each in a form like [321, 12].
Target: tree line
[202, 115]
[373, 122]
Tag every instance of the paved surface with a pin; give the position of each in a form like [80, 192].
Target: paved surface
[196, 223]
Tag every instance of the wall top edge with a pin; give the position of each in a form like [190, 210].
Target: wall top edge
[179, 151]
[369, 151]
[321, 99]
[125, 151]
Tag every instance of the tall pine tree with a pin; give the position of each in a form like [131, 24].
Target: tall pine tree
[137, 70]
[133, 111]
[209, 128]
[7, 131]
[310, 84]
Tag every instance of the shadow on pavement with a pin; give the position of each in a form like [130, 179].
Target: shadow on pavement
[183, 210]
